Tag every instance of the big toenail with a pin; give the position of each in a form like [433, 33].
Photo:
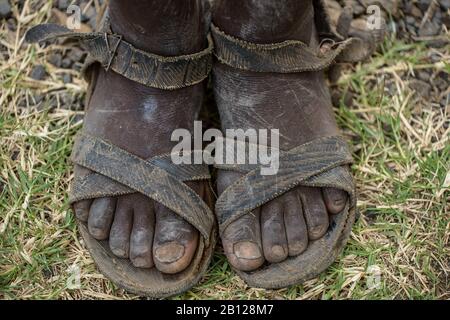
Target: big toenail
[278, 251]
[247, 250]
[169, 252]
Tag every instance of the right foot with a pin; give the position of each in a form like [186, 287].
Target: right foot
[140, 120]
[299, 106]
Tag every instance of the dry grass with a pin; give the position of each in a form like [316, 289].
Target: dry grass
[401, 147]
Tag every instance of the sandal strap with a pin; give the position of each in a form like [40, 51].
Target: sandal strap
[319, 163]
[339, 42]
[283, 57]
[121, 172]
[114, 53]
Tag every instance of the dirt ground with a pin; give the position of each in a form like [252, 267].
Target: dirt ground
[393, 108]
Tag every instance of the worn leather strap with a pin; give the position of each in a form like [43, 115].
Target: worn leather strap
[147, 177]
[317, 163]
[284, 57]
[146, 68]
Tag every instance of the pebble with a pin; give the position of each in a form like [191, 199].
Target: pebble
[5, 9]
[66, 63]
[76, 54]
[410, 20]
[63, 4]
[445, 4]
[67, 78]
[38, 72]
[423, 75]
[423, 4]
[55, 59]
[421, 88]
[430, 28]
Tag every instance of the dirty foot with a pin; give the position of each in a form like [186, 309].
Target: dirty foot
[298, 104]
[140, 120]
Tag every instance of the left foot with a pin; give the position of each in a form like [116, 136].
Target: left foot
[298, 104]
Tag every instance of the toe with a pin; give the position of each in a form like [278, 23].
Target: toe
[141, 239]
[294, 222]
[241, 239]
[101, 214]
[175, 241]
[81, 209]
[314, 211]
[273, 231]
[335, 199]
[119, 237]
[242, 242]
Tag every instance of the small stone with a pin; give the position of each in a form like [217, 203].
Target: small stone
[55, 59]
[441, 84]
[38, 72]
[66, 63]
[358, 9]
[76, 54]
[415, 12]
[423, 4]
[5, 9]
[429, 29]
[434, 57]
[445, 101]
[445, 4]
[12, 24]
[67, 78]
[63, 4]
[421, 88]
[423, 75]
[410, 20]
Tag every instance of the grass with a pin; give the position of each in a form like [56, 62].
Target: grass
[402, 168]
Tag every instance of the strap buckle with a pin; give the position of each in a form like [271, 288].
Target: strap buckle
[112, 53]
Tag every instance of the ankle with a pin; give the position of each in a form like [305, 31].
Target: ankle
[169, 28]
[266, 21]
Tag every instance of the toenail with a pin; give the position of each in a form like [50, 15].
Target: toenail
[278, 251]
[169, 252]
[96, 232]
[119, 252]
[140, 262]
[247, 250]
[317, 231]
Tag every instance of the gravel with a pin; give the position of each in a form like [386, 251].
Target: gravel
[38, 72]
[5, 9]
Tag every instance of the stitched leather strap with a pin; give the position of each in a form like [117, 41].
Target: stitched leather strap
[317, 163]
[284, 57]
[146, 68]
[116, 166]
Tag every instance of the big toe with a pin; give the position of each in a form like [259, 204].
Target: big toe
[242, 242]
[241, 239]
[175, 241]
